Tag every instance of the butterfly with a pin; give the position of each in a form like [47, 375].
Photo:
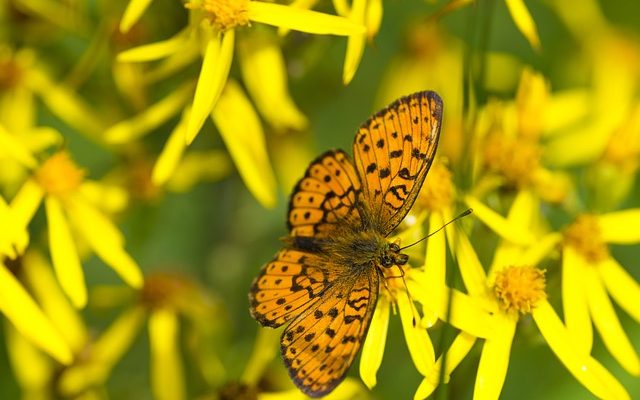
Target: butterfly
[325, 281]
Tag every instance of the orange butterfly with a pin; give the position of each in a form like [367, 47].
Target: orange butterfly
[326, 278]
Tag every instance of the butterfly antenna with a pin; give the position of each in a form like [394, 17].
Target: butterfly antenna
[461, 215]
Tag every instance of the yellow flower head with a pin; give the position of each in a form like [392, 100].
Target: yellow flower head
[519, 288]
[59, 175]
[223, 14]
[585, 236]
[438, 193]
[515, 159]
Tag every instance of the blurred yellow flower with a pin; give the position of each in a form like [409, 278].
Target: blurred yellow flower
[60, 184]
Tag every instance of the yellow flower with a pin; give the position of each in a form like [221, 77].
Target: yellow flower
[215, 23]
[60, 184]
[590, 276]
[496, 302]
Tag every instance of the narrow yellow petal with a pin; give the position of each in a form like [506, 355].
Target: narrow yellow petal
[302, 4]
[31, 367]
[265, 75]
[373, 347]
[540, 249]
[46, 290]
[355, 43]
[459, 349]
[584, 368]
[500, 225]
[13, 235]
[494, 362]
[574, 300]
[624, 289]
[213, 76]
[199, 166]
[15, 149]
[26, 202]
[417, 338]
[373, 17]
[110, 198]
[106, 240]
[151, 118]
[524, 21]
[64, 254]
[155, 51]
[26, 317]
[167, 380]
[473, 275]
[608, 325]
[435, 258]
[242, 133]
[620, 227]
[117, 339]
[265, 349]
[341, 6]
[171, 152]
[302, 20]
[132, 13]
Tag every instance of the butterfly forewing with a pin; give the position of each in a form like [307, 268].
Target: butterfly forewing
[319, 346]
[393, 151]
[287, 286]
[325, 196]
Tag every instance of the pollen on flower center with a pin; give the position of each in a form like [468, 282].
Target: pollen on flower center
[59, 175]
[584, 235]
[516, 160]
[519, 288]
[438, 194]
[223, 14]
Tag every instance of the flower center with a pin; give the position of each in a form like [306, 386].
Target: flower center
[59, 175]
[223, 14]
[516, 160]
[519, 289]
[584, 235]
[438, 194]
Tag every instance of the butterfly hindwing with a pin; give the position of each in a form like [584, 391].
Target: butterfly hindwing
[326, 195]
[319, 346]
[287, 286]
[393, 151]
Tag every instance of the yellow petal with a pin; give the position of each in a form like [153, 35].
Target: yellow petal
[13, 235]
[500, 225]
[302, 20]
[132, 13]
[32, 368]
[167, 379]
[302, 4]
[524, 21]
[373, 347]
[15, 149]
[213, 76]
[608, 325]
[574, 299]
[459, 349]
[540, 249]
[265, 75]
[106, 241]
[435, 258]
[199, 166]
[624, 289]
[620, 227]
[154, 51]
[418, 340]
[373, 17]
[110, 198]
[584, 368]
[171, 152]
[46, 290]
[118, 338]
[265, 348]
[242, 133]
[473, 275]
[494, 362]
[26, 202]
[64, 254]
[151, 118]
[26, 317]
[341, 6]
[355, 43]
[66, 104]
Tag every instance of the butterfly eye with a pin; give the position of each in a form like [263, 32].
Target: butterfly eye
[386, 261]
[394, 247]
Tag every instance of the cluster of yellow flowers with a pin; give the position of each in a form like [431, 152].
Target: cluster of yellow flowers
[550, 175]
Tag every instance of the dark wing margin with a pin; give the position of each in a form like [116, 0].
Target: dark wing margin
[319, 346]
[393, 151]
[325, 196]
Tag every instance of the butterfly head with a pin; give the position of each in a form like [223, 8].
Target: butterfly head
[392, 256]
